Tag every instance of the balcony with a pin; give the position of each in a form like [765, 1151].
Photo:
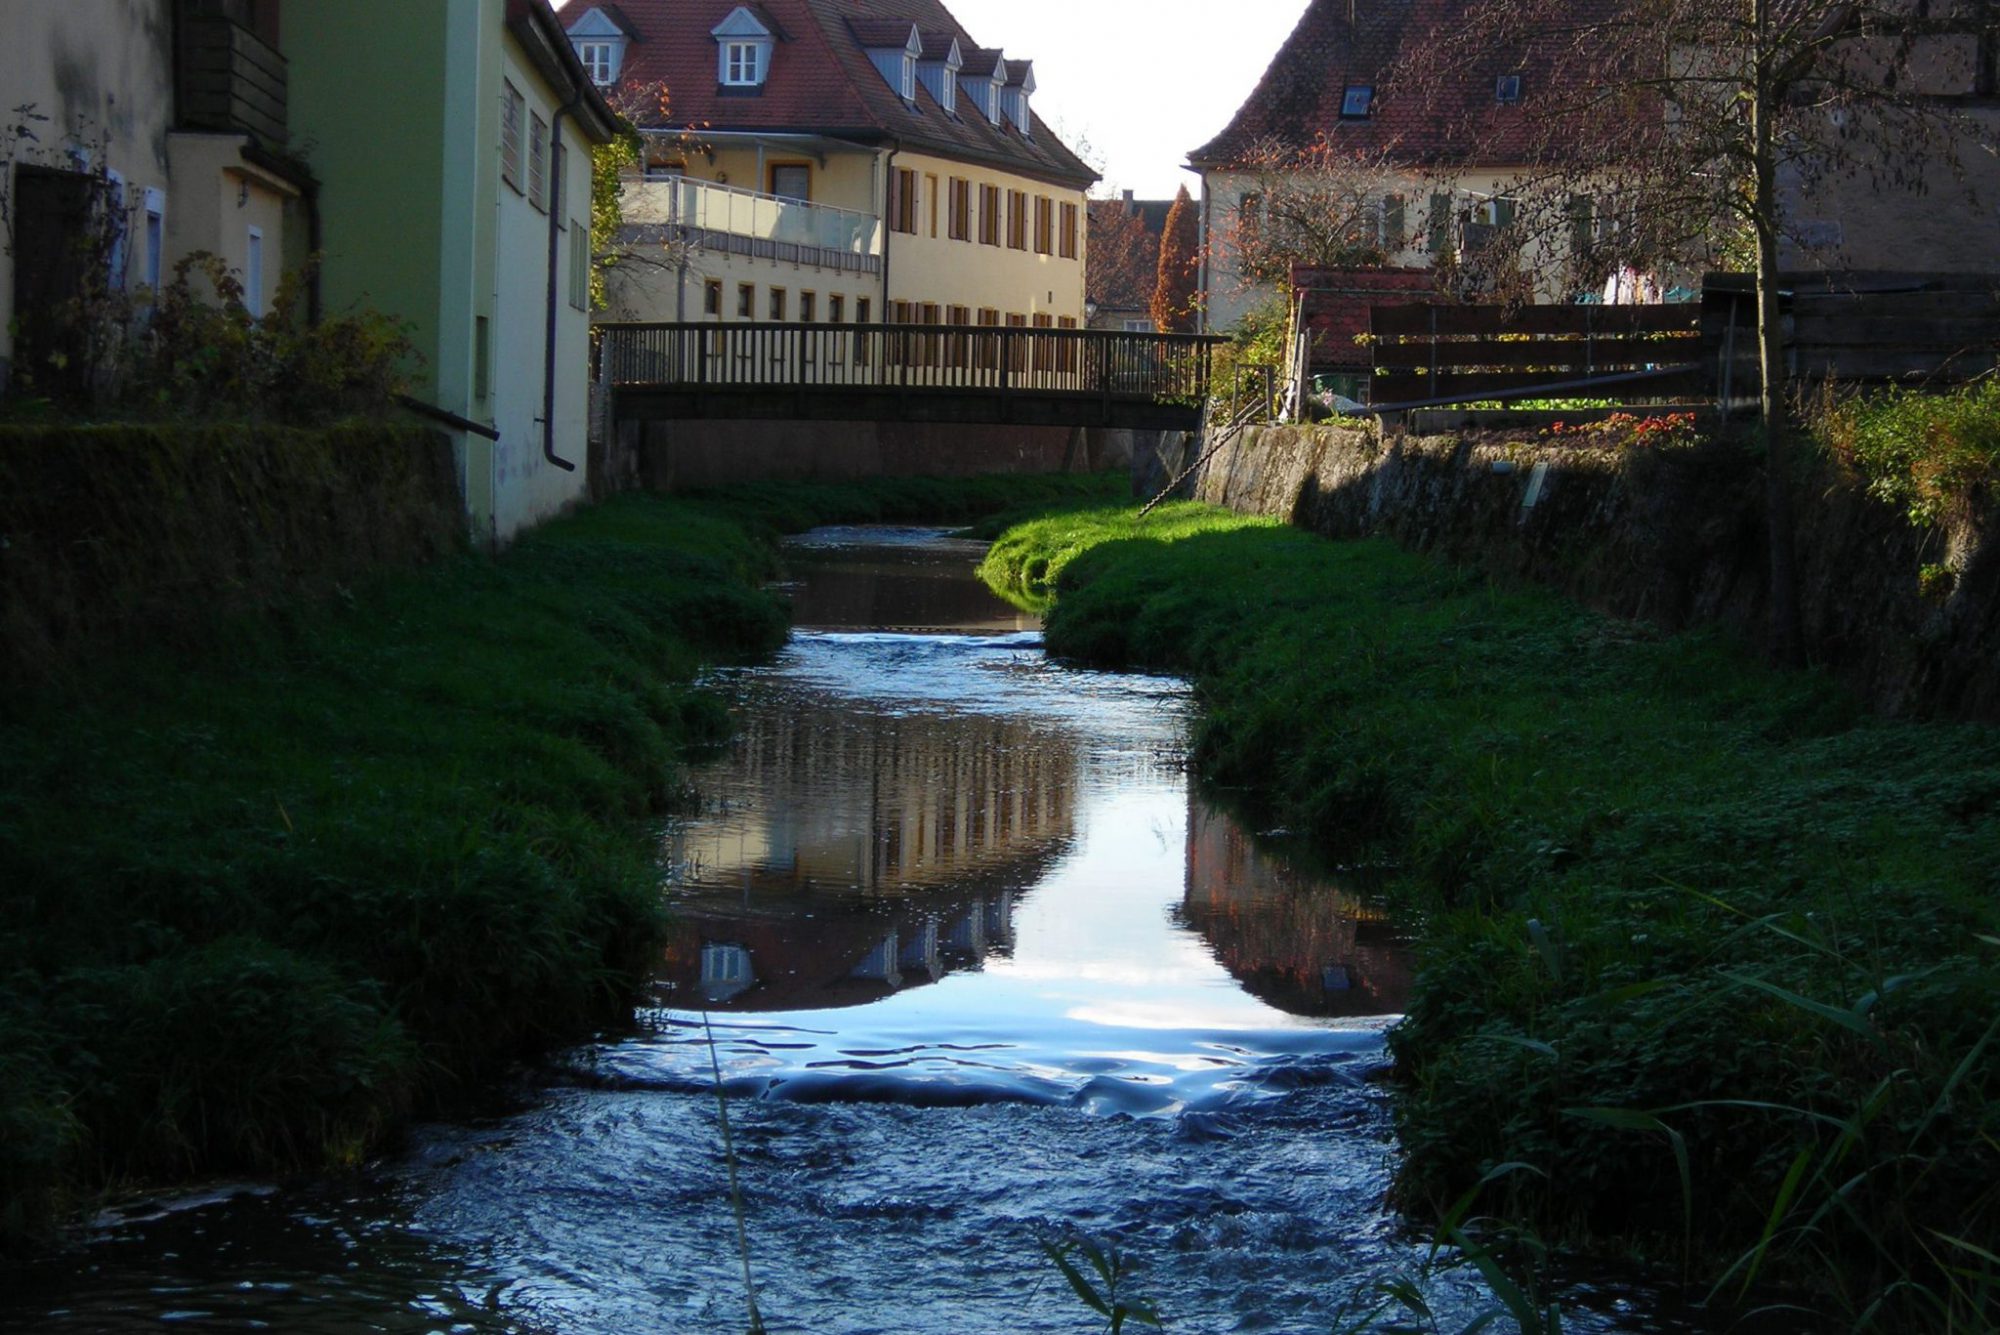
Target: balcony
[744, 222]
[228, 79]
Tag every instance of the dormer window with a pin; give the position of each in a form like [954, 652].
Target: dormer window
[1507, 89]
[938, 69]
[598, 60]
[743, 50]
[600, 44]
[893, 48]
[1357, 103]
[1020, 87]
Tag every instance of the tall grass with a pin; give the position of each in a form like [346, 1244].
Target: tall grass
[1684, 920]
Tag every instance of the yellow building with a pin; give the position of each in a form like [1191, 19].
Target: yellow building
[858, 162]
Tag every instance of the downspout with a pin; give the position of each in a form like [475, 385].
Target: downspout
[1201, 278]
[557, 169]
[315, 244]
[888, 223]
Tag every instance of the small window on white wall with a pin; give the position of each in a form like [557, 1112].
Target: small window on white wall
[156, 235]
[253, 274]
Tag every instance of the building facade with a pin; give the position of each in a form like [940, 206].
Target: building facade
[461, 205]
[141, 131]
[854, 162]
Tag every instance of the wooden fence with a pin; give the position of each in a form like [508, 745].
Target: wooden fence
[1849, 327]
[1431, 354]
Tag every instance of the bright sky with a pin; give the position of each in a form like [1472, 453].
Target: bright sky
[1134, 84]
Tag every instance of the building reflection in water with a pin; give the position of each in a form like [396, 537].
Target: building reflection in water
[851, 853]
[1293, 939]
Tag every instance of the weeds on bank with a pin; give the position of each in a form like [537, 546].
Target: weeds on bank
[1617, 845]
[260, 898]
[1921, 451]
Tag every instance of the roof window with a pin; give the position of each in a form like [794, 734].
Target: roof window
[1358, 102]
[893, 47]
[1507, 89]
[743, 50]
[600, 44]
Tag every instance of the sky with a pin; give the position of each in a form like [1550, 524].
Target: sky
[1134, 84]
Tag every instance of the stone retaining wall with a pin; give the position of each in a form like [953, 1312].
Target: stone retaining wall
[1674, 537]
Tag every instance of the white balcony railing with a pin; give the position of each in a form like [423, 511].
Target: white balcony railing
[709, 207]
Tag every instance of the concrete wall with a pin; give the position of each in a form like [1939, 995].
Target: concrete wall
[1674, 537]
[690, 455]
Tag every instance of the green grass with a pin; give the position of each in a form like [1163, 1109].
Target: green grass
[1655, 883]
[1919, 450]
[267, 889]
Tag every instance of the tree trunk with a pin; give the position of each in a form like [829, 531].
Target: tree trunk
[1786, 642]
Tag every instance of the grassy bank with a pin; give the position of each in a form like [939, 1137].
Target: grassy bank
[1707, 955]
[268, 889]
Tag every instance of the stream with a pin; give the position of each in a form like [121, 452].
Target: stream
[976, 966]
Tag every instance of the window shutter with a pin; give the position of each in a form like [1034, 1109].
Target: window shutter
[1440, 225]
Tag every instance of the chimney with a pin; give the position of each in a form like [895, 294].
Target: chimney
[1128, 199]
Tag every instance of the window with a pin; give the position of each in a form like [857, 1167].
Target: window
[711, 297]
[600, 60]
[482, 357]
[989, 316]
[958, 315]
[1133, 326]
[156, 235]
[861, 310]
[742, 64]
[1069, 218]
[931, 200]
[538, 162]
[512, 107]
[777, 303]
[1357, 103]
[899, 312]
[961, 209]
[836, 308]
[253, 274]
[909, 89]
[742, 51]
[1045, 227]
[1394, 232]
[989, 215]
[746, 301]
[579, 265]
[1017, 220]
[903, 201]
[1507, 89]
[808, 306]
[791, 180]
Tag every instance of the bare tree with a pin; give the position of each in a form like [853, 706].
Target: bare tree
[1320, 205]
[1679, 132]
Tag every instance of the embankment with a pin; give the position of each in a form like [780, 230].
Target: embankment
[272, 882]
[128, 532]
[1707, 963]
[1673, 536]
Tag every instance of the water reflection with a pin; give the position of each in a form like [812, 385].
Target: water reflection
[1090, 1000]
[1293, 939]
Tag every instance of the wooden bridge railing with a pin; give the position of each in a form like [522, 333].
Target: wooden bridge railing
[1152, 367]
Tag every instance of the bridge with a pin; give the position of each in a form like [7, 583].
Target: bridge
[970, 374]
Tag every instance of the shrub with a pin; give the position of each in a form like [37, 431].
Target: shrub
[1923, 452]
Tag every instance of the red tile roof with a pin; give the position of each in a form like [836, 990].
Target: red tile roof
[1449, 120]
[821, 81]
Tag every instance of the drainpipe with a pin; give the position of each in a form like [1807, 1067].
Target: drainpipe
[556, 171]
[888, 229]
[1201, 249]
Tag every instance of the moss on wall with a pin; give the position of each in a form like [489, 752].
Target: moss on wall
[117, 531]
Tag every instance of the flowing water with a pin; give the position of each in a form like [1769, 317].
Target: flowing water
[975, 966]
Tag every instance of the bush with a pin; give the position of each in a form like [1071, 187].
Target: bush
[1922, 452]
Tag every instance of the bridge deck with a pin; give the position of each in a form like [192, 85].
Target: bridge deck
[900, 372]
